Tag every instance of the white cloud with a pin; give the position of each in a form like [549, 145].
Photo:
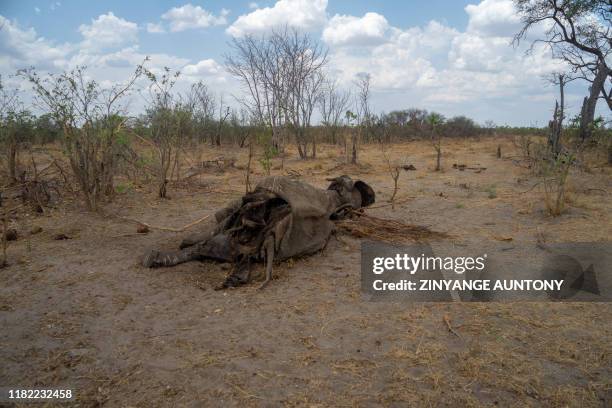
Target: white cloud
[108, 31]
[155, 28]
[493, 17]
[189, 17]
[207, 68]
[253, 5]
[437, 66]
[36, 10]
[302, 14]
[348, 30]
[21, 48]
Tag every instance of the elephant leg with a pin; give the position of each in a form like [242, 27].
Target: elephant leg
[198, 237]
[269, 251]
[154, 259]
[218, 248]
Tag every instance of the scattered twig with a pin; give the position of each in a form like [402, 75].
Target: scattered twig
[191, 224]
[448, 325]
[530, 188]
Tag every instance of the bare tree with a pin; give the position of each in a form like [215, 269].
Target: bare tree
[363, 114]
[256, 63]
[282, 73]
[224, 112]
[556, 124]
[303, 61]
[333, 104]
[203, 109]
[363, 102]
[241, 125]
[579, 32]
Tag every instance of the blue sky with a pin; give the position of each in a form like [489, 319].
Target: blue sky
[451, 56]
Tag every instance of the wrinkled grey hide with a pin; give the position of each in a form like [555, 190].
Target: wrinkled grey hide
[280, 219]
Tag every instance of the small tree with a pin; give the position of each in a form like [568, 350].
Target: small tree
[17, 128]
[168, 117]
[332, 105]
[91, 118]
[435, 120]
[203, 102]
[351, 120]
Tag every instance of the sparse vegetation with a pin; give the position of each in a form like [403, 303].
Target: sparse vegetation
[72, 276]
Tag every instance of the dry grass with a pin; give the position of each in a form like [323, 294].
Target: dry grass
[362, 225]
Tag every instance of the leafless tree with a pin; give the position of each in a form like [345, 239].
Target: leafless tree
[282, 73]
[556, 124]
[241, 125]
[204, 108]
[257, 64]
[224, 112]
[580, 33]
[303, 61]
[363, 114]
[333, 104]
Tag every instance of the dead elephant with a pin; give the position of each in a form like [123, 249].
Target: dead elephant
[280, 219]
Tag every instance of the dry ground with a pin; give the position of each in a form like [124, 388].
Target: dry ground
[82, 313]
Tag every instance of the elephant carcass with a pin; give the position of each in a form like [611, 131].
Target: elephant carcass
[280, 219]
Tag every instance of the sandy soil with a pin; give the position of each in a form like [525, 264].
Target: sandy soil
[82, 313]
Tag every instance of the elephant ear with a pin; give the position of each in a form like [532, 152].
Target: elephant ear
[368, 197]
[342, 184]
[358, 193]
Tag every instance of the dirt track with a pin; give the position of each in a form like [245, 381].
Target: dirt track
[82, 313]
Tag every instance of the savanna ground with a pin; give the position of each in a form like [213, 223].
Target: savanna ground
[82, 313]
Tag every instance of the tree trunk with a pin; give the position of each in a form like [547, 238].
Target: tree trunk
[354, 143]
[12, 162]
[555, 130]
[298, 141]
[314, 145]
[587, 114]
[276, 139]
[438, 157]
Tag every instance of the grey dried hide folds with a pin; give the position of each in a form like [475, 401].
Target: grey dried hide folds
[280, 219]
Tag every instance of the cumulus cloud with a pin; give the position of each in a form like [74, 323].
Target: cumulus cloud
[349, 30]
[108, 31]
[155, 28]
[493, 17]
[189, 17]
[204, 69]
[22, 47]
[436, 65]
[301, 14]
